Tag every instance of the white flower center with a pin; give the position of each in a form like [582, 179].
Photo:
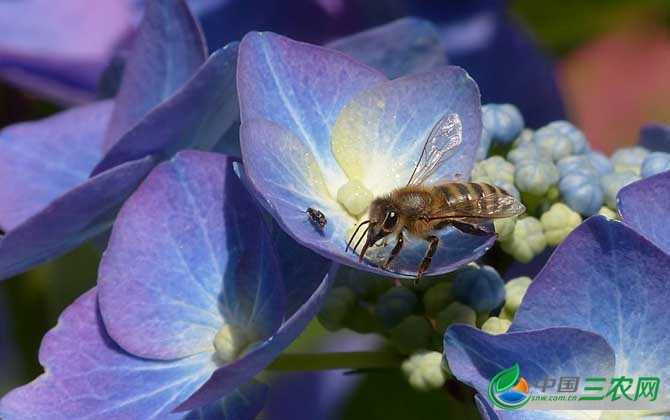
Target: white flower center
[355, 197]
[230, 342]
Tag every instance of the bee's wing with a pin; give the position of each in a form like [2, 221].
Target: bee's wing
[441, 144]
[488, 206]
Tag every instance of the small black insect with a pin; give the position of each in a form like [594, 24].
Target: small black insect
[317, 217]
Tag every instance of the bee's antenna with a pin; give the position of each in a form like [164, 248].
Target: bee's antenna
[354, 234]
[365, 232]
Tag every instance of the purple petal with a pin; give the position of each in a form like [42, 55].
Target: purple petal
[196, 117]
[475, 357]
[379, 135]
[60, 48]
[655, 137]
[88, 376]
[80, 214]
[40, 161]
[644, 204]
[228, 377]
[189, 252]
[300, 87]
[242, 404]
[606, 278]
[168, 49]
[287, 180]
[404, 46]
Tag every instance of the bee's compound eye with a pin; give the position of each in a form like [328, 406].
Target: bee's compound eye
[391, 220]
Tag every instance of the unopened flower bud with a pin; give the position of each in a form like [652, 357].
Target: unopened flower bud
[413, 333]
[496, 326]
[395, 305]
[338, 305]
[424, 370]
[481, 288]
[558, 222]
[454, 313]
[527, 241]
[515, 290]
[503, 121]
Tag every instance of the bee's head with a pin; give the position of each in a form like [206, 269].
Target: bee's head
[383, 219]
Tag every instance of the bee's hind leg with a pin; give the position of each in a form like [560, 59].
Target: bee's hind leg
[433, 241]
[472, 229]
[394, 252]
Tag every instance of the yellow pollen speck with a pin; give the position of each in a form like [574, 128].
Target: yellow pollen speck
[355, 197]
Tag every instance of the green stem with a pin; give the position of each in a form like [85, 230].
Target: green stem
[325, 361]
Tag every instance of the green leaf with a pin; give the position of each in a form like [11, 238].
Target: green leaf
[507, 378]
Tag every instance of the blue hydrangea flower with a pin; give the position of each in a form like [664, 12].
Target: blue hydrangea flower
[335, 138]
[192, 302]
[64, 178]
[596, 309]
[481, 288]
[655, 137]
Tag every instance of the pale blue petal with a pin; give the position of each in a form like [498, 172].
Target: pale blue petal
[77, 216]
[475, 357]
[196, 117]
[644, 205]
[189, 252]
[167, 50]
[87, 376]
[42, 160]
[606, 278]
[405, 46]
[300, 87]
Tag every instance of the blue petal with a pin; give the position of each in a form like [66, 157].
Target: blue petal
[300, 87]
[168, 49]
[80, 214]
[40, 161]
[655, 137]
[242, 404]
[475, 357]
[379, 136]
[195, 117]
[228, 377]
[59, 49]
[606, 278]
[644, 205]
[88, 376]
[189, 252]
[404, 46]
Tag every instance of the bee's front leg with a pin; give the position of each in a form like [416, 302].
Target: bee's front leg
[433, 241]
[395, 251]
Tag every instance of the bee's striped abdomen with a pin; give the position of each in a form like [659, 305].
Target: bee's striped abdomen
[473, 197]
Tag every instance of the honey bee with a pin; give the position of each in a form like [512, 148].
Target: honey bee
[317, 217]
[419, 210]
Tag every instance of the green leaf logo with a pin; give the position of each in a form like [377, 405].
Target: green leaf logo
[507, 378]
